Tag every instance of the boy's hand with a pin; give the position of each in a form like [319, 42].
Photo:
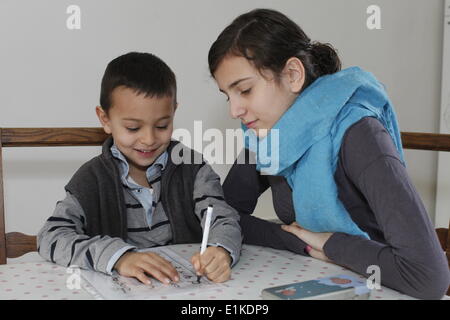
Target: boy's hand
[141, 264]
[214, 263]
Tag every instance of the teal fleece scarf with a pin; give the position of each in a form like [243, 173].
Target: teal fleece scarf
[303, 146]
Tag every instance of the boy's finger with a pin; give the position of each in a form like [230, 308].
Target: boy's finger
[205, 259]
[213, 267]
[195, 261]
[156, 272]
[163, 266]
[140, 275]
[220, 274]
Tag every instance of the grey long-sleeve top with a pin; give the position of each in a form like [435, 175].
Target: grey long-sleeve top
[375, 189]
[63, 239]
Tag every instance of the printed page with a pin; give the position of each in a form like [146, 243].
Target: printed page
[117, 287]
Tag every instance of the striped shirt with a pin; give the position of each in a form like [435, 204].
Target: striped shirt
[62, 239]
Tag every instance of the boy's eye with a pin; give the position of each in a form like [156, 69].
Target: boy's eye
[162, 127]
[133, 129]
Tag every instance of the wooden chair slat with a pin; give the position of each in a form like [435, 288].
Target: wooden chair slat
[41, 137]
[426, 141]
[17, 244]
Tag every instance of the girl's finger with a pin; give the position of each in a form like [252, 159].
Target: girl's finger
[295, 224]
[318, 255]
[314, 239]
[293, 229]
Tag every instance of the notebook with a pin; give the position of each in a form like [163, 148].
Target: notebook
[339, 287]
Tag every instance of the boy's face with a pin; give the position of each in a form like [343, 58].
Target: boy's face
[141, 126]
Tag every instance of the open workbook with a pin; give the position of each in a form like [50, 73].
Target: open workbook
[117, 287]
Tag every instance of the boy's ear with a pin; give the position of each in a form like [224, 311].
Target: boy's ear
[103, 117]
[295, 74]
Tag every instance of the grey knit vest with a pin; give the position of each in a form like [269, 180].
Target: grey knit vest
[98, 188]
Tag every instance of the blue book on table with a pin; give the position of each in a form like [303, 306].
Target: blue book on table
[338, 287]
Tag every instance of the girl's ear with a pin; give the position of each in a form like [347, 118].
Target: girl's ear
[104, 120]
[295, 74]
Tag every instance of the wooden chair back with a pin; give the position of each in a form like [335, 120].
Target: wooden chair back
[16, 244]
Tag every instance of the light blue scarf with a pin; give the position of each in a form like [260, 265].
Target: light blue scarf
[310, 136]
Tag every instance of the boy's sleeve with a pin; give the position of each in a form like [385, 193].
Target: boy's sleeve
[62, 240]
[225, 230]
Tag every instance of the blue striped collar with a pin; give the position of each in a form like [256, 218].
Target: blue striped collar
[152, 172]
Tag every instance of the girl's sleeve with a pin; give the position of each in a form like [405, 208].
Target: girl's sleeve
[242, 188]
[411, 260]
[243, 184]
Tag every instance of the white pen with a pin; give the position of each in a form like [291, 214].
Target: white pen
[205, 233]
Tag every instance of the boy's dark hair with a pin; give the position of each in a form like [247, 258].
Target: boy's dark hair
[143, 72]
[268, 38]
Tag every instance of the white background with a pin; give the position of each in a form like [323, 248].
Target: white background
[50, 76]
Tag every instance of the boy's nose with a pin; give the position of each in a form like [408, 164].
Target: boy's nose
[147, 137]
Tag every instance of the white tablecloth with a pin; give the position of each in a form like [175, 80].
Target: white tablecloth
[258, 268]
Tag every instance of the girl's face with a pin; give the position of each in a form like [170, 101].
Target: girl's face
[255, 97]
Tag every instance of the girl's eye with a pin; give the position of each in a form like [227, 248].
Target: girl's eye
[246, 91]
[162, 127]
[133, 129]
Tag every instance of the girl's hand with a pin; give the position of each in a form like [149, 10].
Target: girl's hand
[214, 263]
[141, 264]
[314, 240]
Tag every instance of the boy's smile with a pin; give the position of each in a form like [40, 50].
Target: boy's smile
[141, 127]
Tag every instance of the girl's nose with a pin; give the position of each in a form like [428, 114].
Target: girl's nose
[236, 110]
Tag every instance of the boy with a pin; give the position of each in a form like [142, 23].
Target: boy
[134, 195]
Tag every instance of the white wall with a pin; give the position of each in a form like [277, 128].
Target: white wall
[50, 76]
[442, 212]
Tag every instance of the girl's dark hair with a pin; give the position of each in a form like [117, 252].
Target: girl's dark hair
[268, 39]
[143, 72]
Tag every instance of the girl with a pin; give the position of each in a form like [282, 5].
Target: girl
[340, 184]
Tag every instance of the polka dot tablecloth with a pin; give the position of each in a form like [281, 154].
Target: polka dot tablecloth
[37, 281]
[261, 267]
[258, 268]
